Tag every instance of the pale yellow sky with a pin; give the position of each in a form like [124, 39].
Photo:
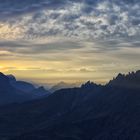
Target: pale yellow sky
[69, 65]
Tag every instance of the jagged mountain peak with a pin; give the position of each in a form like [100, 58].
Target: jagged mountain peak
[41, 88]
[3, 75]
[89, 84]
[13, 91]
[11, 78]
[130, 80]
[4, 80]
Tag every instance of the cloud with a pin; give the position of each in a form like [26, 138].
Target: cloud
[15, 7]
[84, 19]
[86, 37]
[30, 48]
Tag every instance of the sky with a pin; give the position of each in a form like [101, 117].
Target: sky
[48, 41]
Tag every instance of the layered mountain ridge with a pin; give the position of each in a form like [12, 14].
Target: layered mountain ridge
[13, 91]
[89, 112]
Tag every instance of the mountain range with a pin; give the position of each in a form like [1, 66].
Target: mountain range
[13, 91]
[89, 112]
[63, 85]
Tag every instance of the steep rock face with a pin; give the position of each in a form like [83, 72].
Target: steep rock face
[11, 78]
[29, 89]
[21, 85]
[9, 94]
[131, 80]
[4, 81]
[13, 91]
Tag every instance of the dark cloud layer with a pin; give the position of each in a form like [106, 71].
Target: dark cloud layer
[15, 7]
[7, 6]
[84, 19]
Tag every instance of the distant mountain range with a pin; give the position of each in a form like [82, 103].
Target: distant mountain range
[89, 112]
[21, 85]
[13, 91]
[62, 85]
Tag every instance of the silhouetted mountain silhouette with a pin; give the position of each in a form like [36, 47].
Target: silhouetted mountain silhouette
[89, 85]
[39, 92]
[21, 85]
[62, 85]
[8, 94]
[90, 112]
[131, 80]
[12, 78]
[12, 91]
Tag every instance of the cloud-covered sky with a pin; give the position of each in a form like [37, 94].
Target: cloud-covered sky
[71, 40]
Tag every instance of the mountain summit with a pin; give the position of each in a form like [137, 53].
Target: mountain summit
[13, 91]
[130, 80]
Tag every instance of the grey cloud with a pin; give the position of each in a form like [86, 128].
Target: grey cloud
[84, 19]
[14, 7]
[26, 47]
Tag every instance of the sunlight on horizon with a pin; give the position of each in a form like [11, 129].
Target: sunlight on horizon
[71, 43]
